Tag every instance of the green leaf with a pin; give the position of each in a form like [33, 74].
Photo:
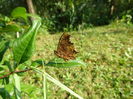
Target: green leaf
[3, 47]
[3, 69]
[10, 28]
[24, 46]
[19, 12]
[60, 63]
[4, 94]
[17, 88]
[9, 87]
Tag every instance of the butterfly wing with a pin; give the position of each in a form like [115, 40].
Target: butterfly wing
[65, 48]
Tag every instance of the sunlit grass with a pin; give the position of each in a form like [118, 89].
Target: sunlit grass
[108, 52]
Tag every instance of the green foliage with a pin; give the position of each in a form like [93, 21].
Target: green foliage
[7, 6]
[15, 58]
[24, 46]
[4, 94]
[67, 15]
[11, 25]
[19, 12]
[127, 19]
[10, 28]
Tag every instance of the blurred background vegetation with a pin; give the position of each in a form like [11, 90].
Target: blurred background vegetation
[67, 15]
[108, 74]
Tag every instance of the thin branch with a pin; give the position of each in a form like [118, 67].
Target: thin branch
[19, 71]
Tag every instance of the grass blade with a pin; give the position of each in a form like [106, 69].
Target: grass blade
[62, 86]
[44, 83]
[58, 83]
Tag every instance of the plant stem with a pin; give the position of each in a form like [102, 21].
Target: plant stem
[44, 83]
[58, 83]
[19, 71]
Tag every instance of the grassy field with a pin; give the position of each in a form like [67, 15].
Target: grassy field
[108, 53]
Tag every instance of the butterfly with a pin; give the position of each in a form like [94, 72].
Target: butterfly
[65, 48]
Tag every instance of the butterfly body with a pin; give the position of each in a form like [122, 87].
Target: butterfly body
[65, 48]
